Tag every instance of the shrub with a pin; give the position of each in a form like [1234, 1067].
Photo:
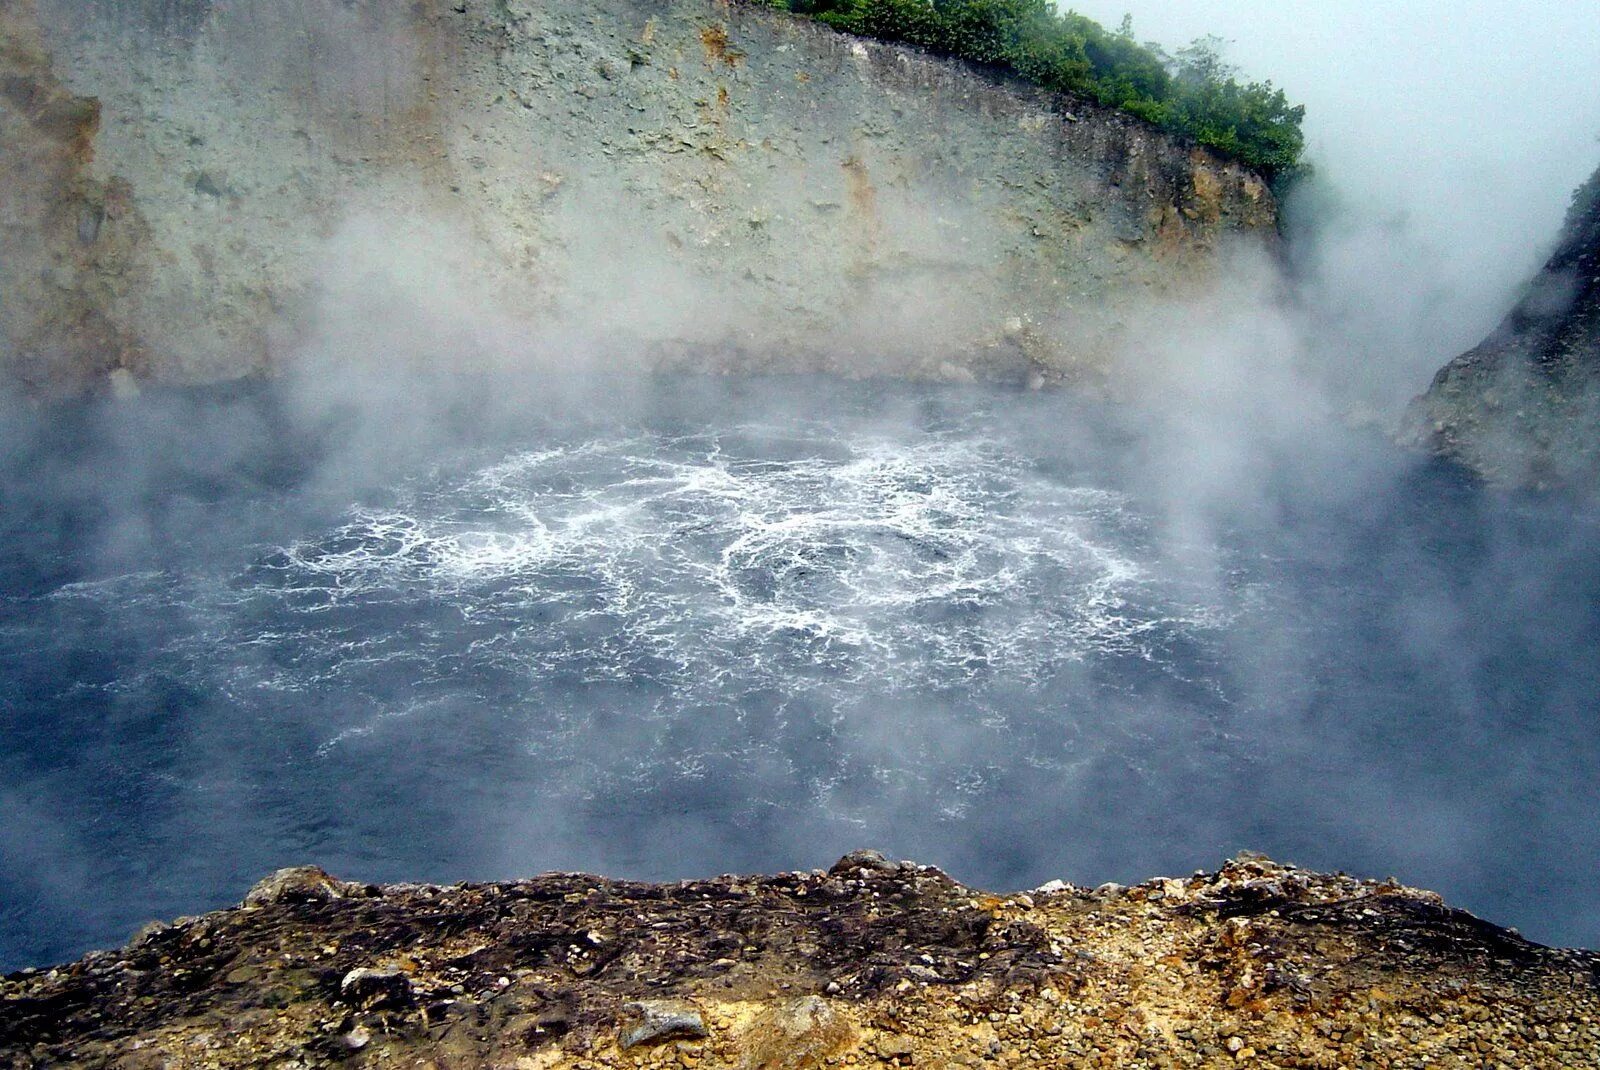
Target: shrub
[1194, 94]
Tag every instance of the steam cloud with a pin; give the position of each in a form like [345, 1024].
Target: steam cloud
[1443, 173]
[1448, 139]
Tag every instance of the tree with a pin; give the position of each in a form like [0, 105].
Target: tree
[1202, 63]
[1195, 93]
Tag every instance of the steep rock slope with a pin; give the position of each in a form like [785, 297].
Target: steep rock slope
[695, 181]
[68, 240]
[873, 963]
[1524, 405]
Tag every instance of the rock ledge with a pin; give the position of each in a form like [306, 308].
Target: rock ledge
[872, 963]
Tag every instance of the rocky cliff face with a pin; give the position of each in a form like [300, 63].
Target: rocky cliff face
[873, 963]
[1524, 405]
[69, 240]
[203, 190]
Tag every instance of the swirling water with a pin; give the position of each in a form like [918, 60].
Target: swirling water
[735, 632]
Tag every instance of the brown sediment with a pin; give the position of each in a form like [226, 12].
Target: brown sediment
[714, 41]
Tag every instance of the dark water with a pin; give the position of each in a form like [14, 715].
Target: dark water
[750, 628]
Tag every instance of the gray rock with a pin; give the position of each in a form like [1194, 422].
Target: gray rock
[650, 1021]
[296, 884]
[147, 932]
[372, 989]
[872, 861]
[1520, 408]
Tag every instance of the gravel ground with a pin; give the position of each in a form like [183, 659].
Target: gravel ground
[872, 963]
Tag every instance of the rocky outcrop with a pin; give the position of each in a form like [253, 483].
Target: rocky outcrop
[1523, 407]
[872, 963]
[219, 188]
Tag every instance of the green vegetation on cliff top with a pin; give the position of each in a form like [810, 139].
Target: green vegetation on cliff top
[1194, 93]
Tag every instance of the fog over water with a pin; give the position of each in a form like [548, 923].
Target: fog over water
[1448, 138]
[750, 626]
[412, 623]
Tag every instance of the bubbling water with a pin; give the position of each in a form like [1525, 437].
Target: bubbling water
[753, 635]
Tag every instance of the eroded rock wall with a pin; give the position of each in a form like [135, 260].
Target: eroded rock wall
[70, 239]
[694, 181]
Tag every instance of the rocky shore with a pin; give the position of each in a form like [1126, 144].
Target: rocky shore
[872, 963]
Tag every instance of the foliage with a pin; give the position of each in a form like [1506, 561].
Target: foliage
[1195, 93]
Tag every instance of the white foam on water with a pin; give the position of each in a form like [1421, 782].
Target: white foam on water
[941, 557]
[107, 587]
[833, 567]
